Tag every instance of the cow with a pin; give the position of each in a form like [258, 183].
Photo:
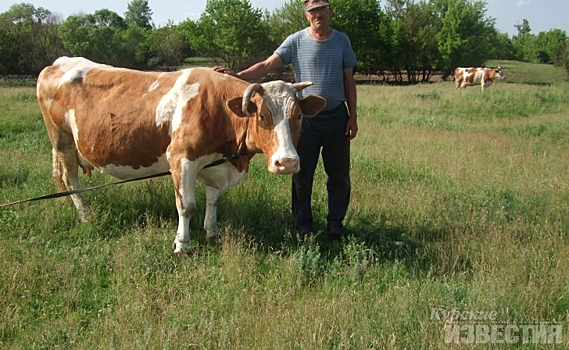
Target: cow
[473, 76]
[130, 124]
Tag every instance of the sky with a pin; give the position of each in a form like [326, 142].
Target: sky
[543, 15]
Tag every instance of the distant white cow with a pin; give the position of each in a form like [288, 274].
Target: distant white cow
[129, 124]
[473, 76]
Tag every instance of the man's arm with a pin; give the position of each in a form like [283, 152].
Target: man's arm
[351, 95]
[256, 71]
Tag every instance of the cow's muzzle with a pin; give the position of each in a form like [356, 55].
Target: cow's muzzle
[285, 166]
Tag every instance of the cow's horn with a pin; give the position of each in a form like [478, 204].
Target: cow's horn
[251, 89]
[302, 85]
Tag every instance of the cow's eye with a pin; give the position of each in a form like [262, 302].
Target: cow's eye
[261, 117]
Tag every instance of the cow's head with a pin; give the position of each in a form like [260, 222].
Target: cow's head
[499, 73]
[274, 125]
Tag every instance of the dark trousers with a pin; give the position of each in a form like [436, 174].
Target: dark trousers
[325, 132]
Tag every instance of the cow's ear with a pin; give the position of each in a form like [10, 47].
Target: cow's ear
[235, 105]
[312, 105]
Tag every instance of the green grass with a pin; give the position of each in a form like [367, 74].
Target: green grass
[17, 81]
[459, 201]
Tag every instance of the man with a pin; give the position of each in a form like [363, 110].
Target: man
[324, 56]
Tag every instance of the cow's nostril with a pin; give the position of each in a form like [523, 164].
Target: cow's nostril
[286, 165]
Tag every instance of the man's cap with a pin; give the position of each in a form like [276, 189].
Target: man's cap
[314, 4]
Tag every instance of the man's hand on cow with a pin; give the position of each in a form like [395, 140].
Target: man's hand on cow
[224, 70]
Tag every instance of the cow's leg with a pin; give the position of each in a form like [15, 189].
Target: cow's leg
[65, 165]
[210, 222]
[57, 173]
[184, 178]
[66, 177]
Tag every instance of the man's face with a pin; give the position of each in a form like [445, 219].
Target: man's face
[319, 17]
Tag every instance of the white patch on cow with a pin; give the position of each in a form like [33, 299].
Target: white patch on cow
[187, 188]
[154, 85]
[286, 148]
[187, 92]
[74, 68]
[220, 176]
[216, 179]
[187, 193]
[479, 75]
[223, 76]
[171, 106]
[286, 154]
[71, 123]
[127, 172]
[47, 103]
[210, 220]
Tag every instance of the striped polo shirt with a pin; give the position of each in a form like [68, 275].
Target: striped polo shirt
[319, 61]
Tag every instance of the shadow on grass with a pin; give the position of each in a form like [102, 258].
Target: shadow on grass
[425, 253]
[269, 227]
[532, 83]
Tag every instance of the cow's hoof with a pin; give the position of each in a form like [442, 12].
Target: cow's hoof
[213, 237]
[182, 249]
[185, 254]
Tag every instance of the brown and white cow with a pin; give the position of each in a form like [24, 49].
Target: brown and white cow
[129, 124]
[473, 76]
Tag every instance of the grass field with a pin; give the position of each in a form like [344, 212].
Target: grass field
[460, 206]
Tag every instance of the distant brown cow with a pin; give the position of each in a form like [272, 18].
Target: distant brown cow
[129, 124]
[473, 76]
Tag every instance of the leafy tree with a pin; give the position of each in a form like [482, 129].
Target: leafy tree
[168, 46]
[105, 37]
[135, 47]
[427, 25]
[467, 37]
[286, 20]
[360, 20]
[139, 13]
[396, 10]
[94, 36]
[232, 31]
[5, 49]
[28, 39]
[414, 32]
[551, 45]
[525, 44]
[546, 47]
[523, 28]
[564, 60]
[503, 49]
[389, 47]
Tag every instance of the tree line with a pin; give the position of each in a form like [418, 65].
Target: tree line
[405, 40]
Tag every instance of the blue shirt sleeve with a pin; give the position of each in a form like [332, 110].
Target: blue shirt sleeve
[285, 50]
